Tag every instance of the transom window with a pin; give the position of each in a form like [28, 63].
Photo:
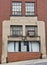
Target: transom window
[31, 30]
[29, 8]
[16, 8]
[16, 30]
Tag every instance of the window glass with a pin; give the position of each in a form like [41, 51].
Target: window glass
[15, 30]
[29, 8]
[16, 8]
[23, 46]
[11, 47]
[31, 30]
[30, 47]
[35, 47]
[16, 46]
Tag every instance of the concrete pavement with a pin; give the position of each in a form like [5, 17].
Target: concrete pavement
[44, 63]
[27, 62]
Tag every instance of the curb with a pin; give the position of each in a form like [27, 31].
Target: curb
[27, 62]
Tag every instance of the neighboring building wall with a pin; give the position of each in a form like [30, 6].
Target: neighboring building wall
[22, 21]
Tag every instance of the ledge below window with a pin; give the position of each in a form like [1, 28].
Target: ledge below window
[24, 15]
[24, 38]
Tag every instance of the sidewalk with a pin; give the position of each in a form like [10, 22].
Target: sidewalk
[28, 62]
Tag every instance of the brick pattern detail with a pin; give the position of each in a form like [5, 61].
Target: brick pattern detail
[18, 56]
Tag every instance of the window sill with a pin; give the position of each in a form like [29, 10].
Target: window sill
[23, 36]
[15, 36]
[24, 15]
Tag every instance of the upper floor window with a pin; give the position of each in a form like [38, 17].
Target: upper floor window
[29, 9]
[16, 30]
[31, 30]
[16, 8]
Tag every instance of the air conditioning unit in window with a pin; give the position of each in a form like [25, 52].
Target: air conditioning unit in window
[30, 33]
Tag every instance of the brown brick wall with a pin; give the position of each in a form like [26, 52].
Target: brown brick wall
[42, 14]
[18, 56]
[5, 12]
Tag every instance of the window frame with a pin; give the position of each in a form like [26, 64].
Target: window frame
[12, 6]
[37, 42]
[35, 35]
[13, 35]
[8, 47]
[34, 8]
[19, 50]
[24, 8]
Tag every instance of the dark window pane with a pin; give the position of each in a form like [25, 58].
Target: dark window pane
[20, 46]
[27, 44]
[15, 30]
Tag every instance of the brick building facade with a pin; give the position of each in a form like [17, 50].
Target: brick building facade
[24, 19]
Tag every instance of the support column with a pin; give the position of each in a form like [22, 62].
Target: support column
[41, 33]
[4, 52]
[23, 30]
